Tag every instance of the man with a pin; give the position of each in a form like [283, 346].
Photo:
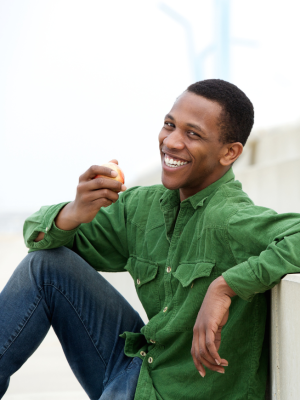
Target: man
[197, 242]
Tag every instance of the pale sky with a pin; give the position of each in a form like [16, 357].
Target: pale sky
[82, 82]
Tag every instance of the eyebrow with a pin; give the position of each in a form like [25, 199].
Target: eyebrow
[194, 126]
[197, 127]
[170, 117]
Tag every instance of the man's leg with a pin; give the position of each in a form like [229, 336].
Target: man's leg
[58, 288]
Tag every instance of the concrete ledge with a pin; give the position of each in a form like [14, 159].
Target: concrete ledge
[285, 330]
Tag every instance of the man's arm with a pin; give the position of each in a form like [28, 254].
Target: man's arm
[91, 195]
[211, 318]
[274, 242]
[102, 242]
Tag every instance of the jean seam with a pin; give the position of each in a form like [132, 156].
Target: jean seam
[120, 373]
[21, 328]
[51, 284]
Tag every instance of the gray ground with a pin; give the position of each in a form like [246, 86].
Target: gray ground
[46, 375]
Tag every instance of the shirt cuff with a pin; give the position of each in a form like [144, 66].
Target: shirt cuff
[243, 281]
[54, 237]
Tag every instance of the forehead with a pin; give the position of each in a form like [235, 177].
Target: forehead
[194, 108]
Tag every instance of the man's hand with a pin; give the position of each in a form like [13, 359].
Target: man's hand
[211, 318]
[92, 194]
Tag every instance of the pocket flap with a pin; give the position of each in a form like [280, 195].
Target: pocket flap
[187, 273]
[142, 271]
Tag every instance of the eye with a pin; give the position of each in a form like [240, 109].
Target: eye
[169, 124]
[194, 134]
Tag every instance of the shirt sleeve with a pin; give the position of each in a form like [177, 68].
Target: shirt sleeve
[102, 242]
[265, 246]
[43, 221]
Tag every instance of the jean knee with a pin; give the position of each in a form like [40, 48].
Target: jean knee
[42, 264]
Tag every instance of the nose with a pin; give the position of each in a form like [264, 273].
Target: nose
[174, 140]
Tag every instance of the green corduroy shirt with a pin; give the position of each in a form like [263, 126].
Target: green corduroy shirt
[173, 251]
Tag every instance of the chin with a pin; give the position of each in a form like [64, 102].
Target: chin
[169, 183]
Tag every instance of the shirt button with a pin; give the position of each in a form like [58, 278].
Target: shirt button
[169, 269]
[165, 309]
[192, 285]
[47, 229]
[142, 353]
[138, 281]
[150, 360]
[152, 341]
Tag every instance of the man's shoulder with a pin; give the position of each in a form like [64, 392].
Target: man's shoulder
[226, 201]
[233, 192]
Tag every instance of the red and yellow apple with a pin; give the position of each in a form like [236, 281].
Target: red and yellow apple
[120, 177]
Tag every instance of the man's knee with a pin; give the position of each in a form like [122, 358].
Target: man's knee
[44, 263]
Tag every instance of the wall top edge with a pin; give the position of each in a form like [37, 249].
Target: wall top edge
[292, 278]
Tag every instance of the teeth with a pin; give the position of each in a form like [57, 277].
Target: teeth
[173, 163]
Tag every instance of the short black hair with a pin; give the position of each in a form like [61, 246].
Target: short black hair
[237, 117]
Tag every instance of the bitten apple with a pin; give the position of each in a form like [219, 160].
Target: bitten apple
[120, 177]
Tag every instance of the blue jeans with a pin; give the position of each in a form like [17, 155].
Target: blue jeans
[58, 288]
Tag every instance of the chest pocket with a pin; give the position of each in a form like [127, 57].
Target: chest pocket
[144, 274]
[194, 280]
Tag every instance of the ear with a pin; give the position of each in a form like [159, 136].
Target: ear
[231, 153]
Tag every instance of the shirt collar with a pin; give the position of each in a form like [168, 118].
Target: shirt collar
[171, 198]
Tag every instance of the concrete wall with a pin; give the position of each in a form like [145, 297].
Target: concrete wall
[285, 328]
[269, 169]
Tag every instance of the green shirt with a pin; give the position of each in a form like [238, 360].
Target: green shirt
[174, 250]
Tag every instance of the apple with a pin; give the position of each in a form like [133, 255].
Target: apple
[120, 177]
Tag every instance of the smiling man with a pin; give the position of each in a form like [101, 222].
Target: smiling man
[201, 254]
[191, 141]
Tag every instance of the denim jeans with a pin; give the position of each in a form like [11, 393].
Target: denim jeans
[58, 288]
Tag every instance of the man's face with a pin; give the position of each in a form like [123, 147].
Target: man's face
[189, 145]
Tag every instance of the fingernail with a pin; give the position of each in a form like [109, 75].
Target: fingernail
[224, 364]
[202, 374]
[221, 372]
[217, 362]
[123, 188]
[114, 174]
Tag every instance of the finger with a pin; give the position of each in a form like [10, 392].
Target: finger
[105, 183]
[200, 362]
[195, 355]
[99, 203]
[203, 350]
[103, 194]
[213, 354]
[205, 357]
[212, 367]
[95, 170]
[218, 344]
[114, 161]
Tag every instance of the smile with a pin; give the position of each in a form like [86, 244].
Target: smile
[173, 162]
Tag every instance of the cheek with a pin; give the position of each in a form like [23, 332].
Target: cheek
[161, 137]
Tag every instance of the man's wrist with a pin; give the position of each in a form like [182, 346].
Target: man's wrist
[65, 219]
[221, 286]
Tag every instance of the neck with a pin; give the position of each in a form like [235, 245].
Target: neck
[190, 191]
